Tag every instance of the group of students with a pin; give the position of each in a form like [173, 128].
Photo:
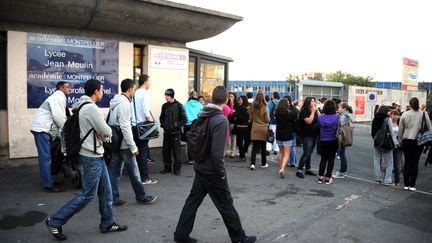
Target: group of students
[251, 119]
[404, 127]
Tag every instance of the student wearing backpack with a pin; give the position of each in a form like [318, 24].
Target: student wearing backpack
[382, 116]
[192, 108]
[95, 174]
[45, 127]
[172, 118]
[271, 107]
[210, 177]
[120, 115]
[345, 112]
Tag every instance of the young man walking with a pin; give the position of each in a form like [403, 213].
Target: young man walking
[172, 118]
[95, 177]
[210, 178]
[141, 113]
[46, 126]
[120, 115]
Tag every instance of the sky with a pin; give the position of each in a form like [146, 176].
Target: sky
[366, 38]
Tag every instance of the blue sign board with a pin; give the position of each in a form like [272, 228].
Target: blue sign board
[55, 58]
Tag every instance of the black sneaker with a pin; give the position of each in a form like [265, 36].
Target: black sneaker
[188, 240]
[120, 203]
[148, 200]
[150, 161]
[165, 171]
[114, 228]
[53, 189]
[249, 239]
[299, 174]
[309, 172]
[56, 232]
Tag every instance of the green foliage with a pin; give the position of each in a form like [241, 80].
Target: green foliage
[349, 79]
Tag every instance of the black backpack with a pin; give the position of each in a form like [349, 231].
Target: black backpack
[198, 139]
[71, 133]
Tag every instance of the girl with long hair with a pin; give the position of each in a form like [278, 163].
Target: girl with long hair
[286, 122]
[241, 121]
[259, 117]
[308, 131]
[233, 105]
[345, 112]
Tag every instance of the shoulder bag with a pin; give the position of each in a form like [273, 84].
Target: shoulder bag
[344, 135]
[146, 130]
[383, 138]
[424, 136]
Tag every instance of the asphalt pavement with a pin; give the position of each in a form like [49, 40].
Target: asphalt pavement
[354, 209]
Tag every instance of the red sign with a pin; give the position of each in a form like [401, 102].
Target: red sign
[360, 105]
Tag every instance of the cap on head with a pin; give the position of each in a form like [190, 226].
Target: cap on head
[169, 92]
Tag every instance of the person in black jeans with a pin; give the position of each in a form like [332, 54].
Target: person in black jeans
[241, 121]
[172, 118]
[210, 178]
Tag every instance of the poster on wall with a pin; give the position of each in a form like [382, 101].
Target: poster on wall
[168, 58]
[55, 58]
[410, 74]
[360, 105]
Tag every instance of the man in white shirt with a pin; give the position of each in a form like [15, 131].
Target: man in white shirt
[46, 126]
[141, 112]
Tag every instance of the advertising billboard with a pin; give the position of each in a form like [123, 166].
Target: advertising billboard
[410, 74]
[55, 58]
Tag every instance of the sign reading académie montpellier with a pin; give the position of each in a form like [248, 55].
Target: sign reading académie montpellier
[55, 58]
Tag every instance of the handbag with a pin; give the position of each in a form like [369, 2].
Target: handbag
[113, 144]
[146, 130]
[383, 138]
[270, 135]
[424, 136]
[344, 135]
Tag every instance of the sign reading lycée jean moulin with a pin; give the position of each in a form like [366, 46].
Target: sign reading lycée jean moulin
[55, 58]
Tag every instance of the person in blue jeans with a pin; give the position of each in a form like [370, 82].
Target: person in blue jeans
[95, 178]
[46, 125]
[397, 151]
[120, 115]
[308, 131]
[345, 112]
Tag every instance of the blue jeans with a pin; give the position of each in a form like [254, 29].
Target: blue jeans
[95, 180]
[397, 156]
[43, 145]
[293, 154]
[308, 147]
[343, 160]
[115, 168]
[142, 156]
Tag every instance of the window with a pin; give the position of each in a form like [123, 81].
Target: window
[192, 70]
[138, 61]
[3, 85]
[211, 75]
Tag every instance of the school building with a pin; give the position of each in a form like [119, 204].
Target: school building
[44, 42]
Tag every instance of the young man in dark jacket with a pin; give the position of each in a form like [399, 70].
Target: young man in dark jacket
[172, 118]
[210, 178]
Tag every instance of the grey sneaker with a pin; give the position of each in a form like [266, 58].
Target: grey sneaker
[149, 181]
[339, 175]
[148, 200]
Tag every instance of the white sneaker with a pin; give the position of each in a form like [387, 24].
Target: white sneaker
[413, 189]
[264, 166]
[406, 188]
[337, 157]
[149, 181]
[252, 167]
[339, 175]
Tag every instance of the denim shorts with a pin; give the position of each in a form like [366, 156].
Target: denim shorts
[287, 143]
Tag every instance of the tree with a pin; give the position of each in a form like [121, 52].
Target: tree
[349, 79]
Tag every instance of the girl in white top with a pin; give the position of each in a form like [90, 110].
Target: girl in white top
[397, 151]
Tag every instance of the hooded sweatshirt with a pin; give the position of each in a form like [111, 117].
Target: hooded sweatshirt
[214, 163]
[192, 108]
[90, 117]
[345, 118]
[120, 115]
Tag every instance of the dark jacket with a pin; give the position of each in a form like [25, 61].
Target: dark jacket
[377, 123]
[286, 124]
[241, 116]
[172, 117]
[214, 163]
[308, 130]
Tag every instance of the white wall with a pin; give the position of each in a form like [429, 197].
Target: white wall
[162, 79]
[383, 97]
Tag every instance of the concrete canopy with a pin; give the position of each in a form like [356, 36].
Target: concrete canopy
[146, 18]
